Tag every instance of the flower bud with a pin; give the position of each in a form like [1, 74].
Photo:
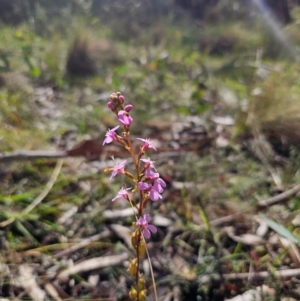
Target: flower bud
[128, 108]
[107, 171]
[121, 99]
[142, 249]
[113, 97]
[125, 118]
[132, 269]
[142, 295]
[133, 294]
[110, 105]
[135, 238]
[141, 283]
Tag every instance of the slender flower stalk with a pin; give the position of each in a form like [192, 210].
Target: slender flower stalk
[145, 180]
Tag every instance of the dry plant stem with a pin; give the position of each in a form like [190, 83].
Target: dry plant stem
[263, 275]
[83, 243]
[93, 264]
[52, 291]
[252, 276]
[282, 197]
[31, 155]
[41, 196]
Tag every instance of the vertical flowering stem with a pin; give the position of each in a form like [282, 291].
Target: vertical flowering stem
[146, 180]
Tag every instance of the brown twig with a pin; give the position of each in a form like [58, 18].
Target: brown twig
[83, 244]
[282, 197]
[30, 155]
[252, 276]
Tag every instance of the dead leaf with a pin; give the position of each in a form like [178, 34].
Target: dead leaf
[263, 228]
[250, 295]
[123, 232]
[27, 281]
[92, 264]
[247, 239]
[161, 221]
[52, 291]
[117, 214]
[292, 249]
[90, 149]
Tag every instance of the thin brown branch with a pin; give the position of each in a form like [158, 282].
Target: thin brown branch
[93, 264]
[252, 276]
[31, 155]
[83, 244]
[280, 198]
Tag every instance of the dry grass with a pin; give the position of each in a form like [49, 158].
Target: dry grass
[274, 106]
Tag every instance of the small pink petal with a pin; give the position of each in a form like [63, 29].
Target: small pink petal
[154, 195]
[146, 233]
[144, 186]
[146, 218]
[152, 228]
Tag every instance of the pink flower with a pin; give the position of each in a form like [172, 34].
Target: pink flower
[119, 168]
[159, 185]
[110, 105]
[122, 194]
[143, 222]
[149, 163]
[121, 99]
[151, 175]
[110, 135]
[125, 118]
[144, 186]
[147, 144]
[153, 194]
[128, 108]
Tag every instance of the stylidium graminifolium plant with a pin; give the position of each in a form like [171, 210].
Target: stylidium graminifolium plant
[146, 184]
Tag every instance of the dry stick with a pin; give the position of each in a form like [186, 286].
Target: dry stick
[83, 244]
[263, 275]
[29, 155]
[282, 197]
[41, 154]
[51, 290]
[253, 276]
[41, 196]
[93, 264]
